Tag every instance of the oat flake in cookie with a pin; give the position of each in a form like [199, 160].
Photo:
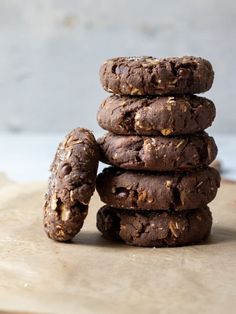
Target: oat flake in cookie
[152, 76]
[71, 185]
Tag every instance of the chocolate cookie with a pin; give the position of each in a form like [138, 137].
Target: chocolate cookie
[155, 228]
[157, 191]
[152, 76]
[155, 116]
[71, 185]
[159, 153]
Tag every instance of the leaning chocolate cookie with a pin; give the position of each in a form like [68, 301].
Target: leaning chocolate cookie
[153, 76]
[71, 185]
[164, 115]
[155, 228]
[157, 191]
[158, 153]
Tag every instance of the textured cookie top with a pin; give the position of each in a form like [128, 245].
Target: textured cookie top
[152, 76]
[71, 184]
[73, 170]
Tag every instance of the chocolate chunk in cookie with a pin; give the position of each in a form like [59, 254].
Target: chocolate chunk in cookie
[71, 185]
[155, 228]
[158, 153]
[152, 76]
[156, 115]
[157, 191]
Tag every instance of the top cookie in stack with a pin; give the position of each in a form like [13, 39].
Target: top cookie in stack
[155, 123]
[150, 76]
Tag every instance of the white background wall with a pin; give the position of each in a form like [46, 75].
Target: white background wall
[51, 50]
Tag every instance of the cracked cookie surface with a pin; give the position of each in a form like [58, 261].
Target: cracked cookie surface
[152, 76]
[157, 153]
[155, 228]
[156, 115]
[71, 185]
[157, 191]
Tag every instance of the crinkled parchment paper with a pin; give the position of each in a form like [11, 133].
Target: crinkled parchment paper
[93, 275]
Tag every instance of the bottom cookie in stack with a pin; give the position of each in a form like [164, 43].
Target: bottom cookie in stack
[155, 228]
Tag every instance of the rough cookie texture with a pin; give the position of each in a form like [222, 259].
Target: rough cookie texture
[155, 228]
[156, 115]
[71, 185]
[157, 191]
[152, 76]
[159, 153]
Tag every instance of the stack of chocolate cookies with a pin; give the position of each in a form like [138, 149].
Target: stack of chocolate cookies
[157, 190]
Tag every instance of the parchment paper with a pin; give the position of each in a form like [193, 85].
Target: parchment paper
[93, 275]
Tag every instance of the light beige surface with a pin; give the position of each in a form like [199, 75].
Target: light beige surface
[95, 276]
